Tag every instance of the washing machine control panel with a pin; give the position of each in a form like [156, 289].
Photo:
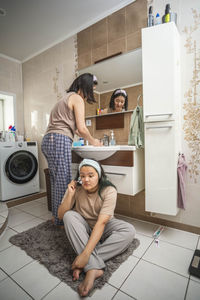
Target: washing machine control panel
[31, 143]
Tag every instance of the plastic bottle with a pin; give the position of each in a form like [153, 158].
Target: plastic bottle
[112, 138]
[167, 13]
[81, 141]
[169, 16]
[158, 19]
[11, 133]
[150, 17]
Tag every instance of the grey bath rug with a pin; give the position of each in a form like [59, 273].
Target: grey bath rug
[49, 245]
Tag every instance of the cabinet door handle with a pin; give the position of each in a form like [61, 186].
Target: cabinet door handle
[155, 127]
[157, 115]
[119, 174]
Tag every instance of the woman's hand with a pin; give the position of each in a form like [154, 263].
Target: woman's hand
[97, 143]
[68, 200]
[71, 188]
[80, 261]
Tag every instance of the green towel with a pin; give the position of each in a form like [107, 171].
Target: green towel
[136, 134]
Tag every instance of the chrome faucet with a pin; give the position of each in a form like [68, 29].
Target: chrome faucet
[105, 140]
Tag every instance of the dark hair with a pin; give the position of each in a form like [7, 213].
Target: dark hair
[85, 84]
[113, 96]
[103, 180]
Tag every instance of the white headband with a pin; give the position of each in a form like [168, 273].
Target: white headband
[92, 163]
[94, 78]
[120, 92]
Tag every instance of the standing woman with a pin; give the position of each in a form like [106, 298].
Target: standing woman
[67, 118]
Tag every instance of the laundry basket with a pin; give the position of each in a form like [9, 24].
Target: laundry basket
[48, 187]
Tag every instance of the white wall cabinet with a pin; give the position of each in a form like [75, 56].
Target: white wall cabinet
[161, 101]
[161, 72]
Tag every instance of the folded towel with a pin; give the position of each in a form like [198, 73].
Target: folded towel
[136, 134]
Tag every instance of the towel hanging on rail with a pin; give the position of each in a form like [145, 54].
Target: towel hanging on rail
[181, 170]
[136, 133]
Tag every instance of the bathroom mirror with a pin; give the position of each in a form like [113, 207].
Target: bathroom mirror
[122, 71]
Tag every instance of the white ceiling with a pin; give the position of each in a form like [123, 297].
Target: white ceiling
[32, 26]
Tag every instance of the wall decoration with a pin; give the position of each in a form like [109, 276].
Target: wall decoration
[58, 84]
[191, 106]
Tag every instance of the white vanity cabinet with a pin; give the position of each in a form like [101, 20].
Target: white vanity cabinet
[161, 103]
[129, 180]
[125, 169]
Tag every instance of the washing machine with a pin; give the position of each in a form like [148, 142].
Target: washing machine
[19, 172]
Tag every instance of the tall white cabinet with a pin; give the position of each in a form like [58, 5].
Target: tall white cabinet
[162, 116]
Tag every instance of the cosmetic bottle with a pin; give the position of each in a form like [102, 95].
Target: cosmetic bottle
[150, 17]
[158, 19]
[166, 10]
[167, 13]
[112, 139]
[81, 140]
[169, 16]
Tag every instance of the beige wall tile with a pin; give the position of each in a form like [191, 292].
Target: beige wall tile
[116, 25]
[68, 77]
[123, 205]
[46, 77]
[99, 33]
[105, 99]
[131, 205]
[133, 41]
[119, 32]
[136, 16]
[85, 60]
[84, 40]
[117, 46]
[67, 46]
[133, 93]
[99, 53]
[137, 204]
[91, 109]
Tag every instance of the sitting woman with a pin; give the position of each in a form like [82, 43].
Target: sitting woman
[118, 102]
[87, 210]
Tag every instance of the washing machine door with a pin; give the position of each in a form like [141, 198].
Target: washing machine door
[21, 166]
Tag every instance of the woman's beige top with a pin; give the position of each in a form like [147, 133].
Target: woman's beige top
[62, 118]
[90, 205]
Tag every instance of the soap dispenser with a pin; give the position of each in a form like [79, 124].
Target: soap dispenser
[112, 138]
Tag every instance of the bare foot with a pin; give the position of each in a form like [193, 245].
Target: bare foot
[88, 282]
[76, 274]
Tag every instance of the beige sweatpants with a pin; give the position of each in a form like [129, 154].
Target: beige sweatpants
[116, 238]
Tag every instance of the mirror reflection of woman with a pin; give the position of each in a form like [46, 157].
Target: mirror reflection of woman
[118, 102]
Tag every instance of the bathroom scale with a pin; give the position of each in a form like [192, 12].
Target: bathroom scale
[194, 268]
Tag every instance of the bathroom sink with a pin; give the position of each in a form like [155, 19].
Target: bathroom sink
[99, 153]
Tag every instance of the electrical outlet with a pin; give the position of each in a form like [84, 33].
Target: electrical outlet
[88, 123]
